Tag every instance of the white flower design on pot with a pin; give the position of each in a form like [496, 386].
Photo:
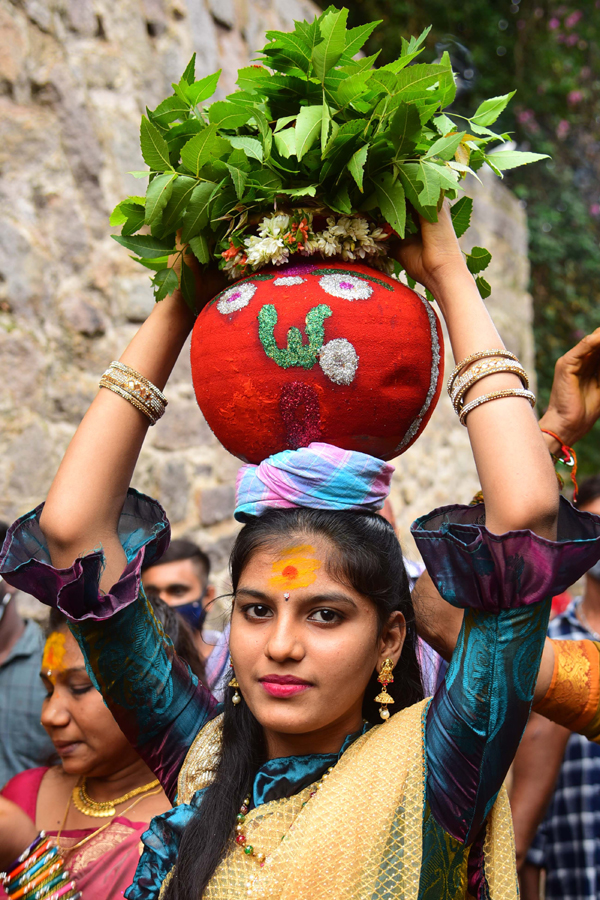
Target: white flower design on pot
[288, 280]
[346, 286]
[339, 361]
[237, 297]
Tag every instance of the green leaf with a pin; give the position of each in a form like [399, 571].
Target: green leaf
[118, 216]
[488, 111]
[510, 159]
[140, 173]
[190, 70]
[445, 147]
[356, 166]
[333, 31]
[444, 125]
[180, 197]
[357, 37]
[144, 245]
[392, 201]
[157, 195]
[199, 247]
[411, 177]
[251, 146]
[201, 148]
[478, 259]
[308, 191]
[165, 282]
[308, 126]
[340, 202]
[160, 262]
[352, 87]
[239, 179]
[405, 127]
[484, 287]
[188, 286]
[226, 114]
[285, 141]
[198, 211]
[203, 89]
[170, 109]
[326, 125]
[461, 215]
[281, 123]
[154, 147]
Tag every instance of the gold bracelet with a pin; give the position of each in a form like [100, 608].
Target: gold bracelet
[476, 373]
[481, 354]
[495, 395]
[136, 389]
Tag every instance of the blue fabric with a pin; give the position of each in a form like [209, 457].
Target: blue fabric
[567, 843]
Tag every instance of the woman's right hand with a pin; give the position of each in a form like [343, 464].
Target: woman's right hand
[17, 831]
[432, 255]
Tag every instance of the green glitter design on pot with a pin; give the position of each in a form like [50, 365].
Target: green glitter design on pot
[354, 274]
[296, 353]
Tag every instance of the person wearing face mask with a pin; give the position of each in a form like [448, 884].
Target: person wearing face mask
[181, 579]
[23, 741]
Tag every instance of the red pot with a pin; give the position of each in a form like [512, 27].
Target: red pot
[335, 352]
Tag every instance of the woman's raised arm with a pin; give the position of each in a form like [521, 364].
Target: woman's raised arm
[87, 495]
[513, 463]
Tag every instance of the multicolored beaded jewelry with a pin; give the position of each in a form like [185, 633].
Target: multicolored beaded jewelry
[38, 873]
[240, 835]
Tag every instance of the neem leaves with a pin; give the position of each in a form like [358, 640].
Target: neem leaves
[311, 125]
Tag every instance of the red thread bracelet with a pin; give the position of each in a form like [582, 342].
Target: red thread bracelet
[568, 458]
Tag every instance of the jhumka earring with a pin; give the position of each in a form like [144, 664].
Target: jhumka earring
[237, 697]
[385, 677]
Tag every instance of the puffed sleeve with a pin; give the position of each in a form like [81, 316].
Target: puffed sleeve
[471, 566]
[477, 717]
[156, 700]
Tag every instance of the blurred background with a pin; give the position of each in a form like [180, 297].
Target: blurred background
[75, 76]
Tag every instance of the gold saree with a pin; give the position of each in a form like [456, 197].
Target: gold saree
[358, 838]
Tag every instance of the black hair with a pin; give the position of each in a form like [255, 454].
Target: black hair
[173, 624]
[367, 557]
[183, 549]
[589, 490]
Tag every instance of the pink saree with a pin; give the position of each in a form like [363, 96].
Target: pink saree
[104, 866]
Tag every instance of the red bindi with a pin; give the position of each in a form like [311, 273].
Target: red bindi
[290, 572]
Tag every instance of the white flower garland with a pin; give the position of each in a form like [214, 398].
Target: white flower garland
[282, 235]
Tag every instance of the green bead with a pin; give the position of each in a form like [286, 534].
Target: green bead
[241, 817]
[249, 849]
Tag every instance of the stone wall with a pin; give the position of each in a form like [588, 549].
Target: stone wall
[75, 76]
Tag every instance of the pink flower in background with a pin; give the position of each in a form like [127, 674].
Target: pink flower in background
[572, 39]
[595, 209]
[574, 97]
[554, 23]
[562, 129]
[572, 20]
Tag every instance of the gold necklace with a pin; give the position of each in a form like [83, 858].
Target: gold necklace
[65, 851]
[104, 808]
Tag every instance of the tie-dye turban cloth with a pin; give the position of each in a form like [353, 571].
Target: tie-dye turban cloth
[319, 476]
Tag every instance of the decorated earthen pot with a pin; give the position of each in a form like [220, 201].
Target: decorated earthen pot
[321, 351]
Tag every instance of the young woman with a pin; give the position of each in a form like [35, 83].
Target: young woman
[291, 790]
[100, 845]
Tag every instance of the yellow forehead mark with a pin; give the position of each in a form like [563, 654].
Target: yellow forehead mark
[54, 653]
[295, 568]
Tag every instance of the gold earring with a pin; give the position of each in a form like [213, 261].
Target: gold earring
[237, 697]
[385, 677]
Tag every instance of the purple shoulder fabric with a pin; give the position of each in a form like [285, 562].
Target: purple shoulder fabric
[25, 561]
[471, 567]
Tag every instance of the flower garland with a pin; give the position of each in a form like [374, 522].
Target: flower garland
[282, 235]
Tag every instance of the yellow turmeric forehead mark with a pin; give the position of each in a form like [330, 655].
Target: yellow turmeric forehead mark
[54, 654]
[295, 568]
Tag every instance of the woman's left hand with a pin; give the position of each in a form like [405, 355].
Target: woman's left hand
[17, 831]
[574, 406]
[429, 257]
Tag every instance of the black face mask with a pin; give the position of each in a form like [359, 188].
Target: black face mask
[193, 612]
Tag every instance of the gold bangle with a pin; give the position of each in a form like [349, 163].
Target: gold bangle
[136, 389]
[495, 395]
[476, 374]
[481, 354]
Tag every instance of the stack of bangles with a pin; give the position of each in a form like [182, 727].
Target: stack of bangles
[136, 389]
[479, 365]
[39, 874]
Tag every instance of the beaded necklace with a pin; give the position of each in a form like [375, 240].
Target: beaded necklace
[240, 836]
